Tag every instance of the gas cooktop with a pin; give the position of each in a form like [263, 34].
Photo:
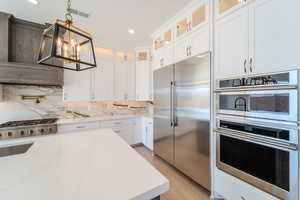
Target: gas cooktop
[28, 128]
[28, 122]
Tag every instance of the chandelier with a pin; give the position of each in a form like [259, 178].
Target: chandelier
[66, 46]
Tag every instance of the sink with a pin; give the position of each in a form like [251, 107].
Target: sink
[14, 149]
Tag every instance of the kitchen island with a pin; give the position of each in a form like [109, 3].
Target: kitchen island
[90, 165]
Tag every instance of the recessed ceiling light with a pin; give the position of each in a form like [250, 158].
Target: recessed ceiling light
[131, 31]
[35, 2]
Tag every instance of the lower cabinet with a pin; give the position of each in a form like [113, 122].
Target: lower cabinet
[134, 131]
[128, 129]
[147, 133]
[231, 188]
[74, 127]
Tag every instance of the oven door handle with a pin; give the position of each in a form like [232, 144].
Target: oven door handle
[257, 140]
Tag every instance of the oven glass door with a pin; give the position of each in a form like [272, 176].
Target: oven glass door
[269, 104]
[276, 103]
[266, 163]
[268, 167]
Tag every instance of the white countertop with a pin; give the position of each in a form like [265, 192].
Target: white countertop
[90, 165]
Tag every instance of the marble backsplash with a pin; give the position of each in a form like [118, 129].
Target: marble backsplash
[13, 107]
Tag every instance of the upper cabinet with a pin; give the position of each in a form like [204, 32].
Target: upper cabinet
[104, 75]
[120, 77]
[182, 27]
[232, 33]
[224, 7]
[199, 16]
[77, 85]
[131, 76]
[168, 49]
[124, 79]
[112, 80]
[259, 37]
[187, 34]
[274, 38]
[143, 74]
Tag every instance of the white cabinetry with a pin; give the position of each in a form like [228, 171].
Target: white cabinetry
[77, 85]
[180, 50]
[124, 77]
[148, 132]
[275, 31]
[232, 44]
[120, 77]
[259, 37]
[231, 188]
[104, 75]
[143, 75]
[193, 44]
[128, 129]
[81, 126]
[131, 76]
[112, 79]
[188, 34]
[158, 53]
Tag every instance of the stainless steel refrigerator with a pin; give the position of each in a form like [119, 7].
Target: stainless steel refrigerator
[182, 117]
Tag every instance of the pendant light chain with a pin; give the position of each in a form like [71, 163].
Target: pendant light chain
[69, 18]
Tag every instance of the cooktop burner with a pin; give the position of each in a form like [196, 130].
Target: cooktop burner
[28, 122]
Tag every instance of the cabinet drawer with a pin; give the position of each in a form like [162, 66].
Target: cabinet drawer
[231, 188]
[78, 127]
[116, 123]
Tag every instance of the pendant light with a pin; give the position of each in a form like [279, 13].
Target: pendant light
[66, 46]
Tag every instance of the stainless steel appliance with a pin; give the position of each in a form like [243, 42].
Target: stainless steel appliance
[270, 96]
[182, 117]
[27, 128]
[257, 132]
[265, 156]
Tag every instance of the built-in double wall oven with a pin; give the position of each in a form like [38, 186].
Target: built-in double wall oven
[272, 97]
[257, 132]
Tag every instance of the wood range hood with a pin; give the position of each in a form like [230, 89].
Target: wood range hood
[19, 46]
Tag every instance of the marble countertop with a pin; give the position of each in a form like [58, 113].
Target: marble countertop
[79, 166]
[101, 118]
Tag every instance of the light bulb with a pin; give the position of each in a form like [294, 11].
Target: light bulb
[58, 47]
[58, 42]
[73, 43]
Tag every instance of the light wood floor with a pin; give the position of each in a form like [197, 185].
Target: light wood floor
[181, 187]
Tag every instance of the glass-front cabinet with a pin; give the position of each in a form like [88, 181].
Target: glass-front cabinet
[224, 6]
[182, 27]
[199, 16]
[168, 37]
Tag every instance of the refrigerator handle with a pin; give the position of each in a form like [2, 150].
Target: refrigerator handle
[171, 104]
[174, 104]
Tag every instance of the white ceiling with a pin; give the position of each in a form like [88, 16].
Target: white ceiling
[109, 20]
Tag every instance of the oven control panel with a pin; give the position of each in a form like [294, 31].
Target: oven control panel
[286, 78]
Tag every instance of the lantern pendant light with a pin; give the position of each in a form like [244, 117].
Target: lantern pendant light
[66, 46]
